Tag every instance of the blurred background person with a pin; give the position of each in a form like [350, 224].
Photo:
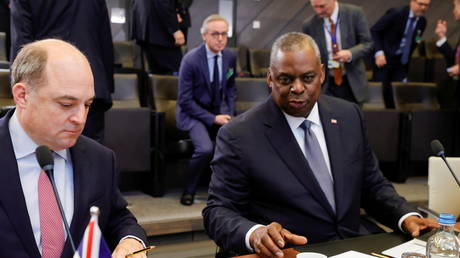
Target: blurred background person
[155, 27]
[183, 16]
[342, 33]
[395, 35]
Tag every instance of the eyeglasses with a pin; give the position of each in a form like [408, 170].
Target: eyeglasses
[217, 34]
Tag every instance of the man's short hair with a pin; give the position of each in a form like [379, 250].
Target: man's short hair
[293, 41]
[211, 18]
[29, 65]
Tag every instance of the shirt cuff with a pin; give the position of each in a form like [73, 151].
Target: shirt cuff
[379, 53]
[133, 237]
[248, 234]
[401, 220]
[440, 42]
[351, 58]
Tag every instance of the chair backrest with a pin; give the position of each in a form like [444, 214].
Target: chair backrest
[375, 96]
[236, 50]
[165, 91]
[126, 94]
[125, 53]
[259, 61]
[415, 95]
[6, 99]
[417, 69]
[443, 191]
[3, 51]
[250, 92]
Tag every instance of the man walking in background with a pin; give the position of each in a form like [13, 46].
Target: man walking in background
[343, 36]
[395, 36]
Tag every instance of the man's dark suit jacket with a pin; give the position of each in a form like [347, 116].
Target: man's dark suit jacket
[388, 31]
[195, 92]
[260, 175]
[154, 22]
[84, 23]
[449, 53]
[95, 184]
[354, 36]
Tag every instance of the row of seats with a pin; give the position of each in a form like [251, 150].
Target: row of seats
[401, 137]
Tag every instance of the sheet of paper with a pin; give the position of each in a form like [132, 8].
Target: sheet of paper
[352, 254]
[414, 245]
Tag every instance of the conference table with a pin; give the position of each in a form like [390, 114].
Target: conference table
[376, 243]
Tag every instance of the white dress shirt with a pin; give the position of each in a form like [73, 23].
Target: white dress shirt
[29, 171]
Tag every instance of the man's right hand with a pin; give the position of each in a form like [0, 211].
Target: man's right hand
[270, 239]
[222, 119]
[441, 29]
[380, 60]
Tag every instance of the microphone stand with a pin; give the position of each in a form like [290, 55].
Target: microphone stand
[50, 174]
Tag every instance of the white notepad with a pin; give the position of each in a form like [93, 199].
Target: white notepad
[414, 245]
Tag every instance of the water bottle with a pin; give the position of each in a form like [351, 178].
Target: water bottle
[444, 243]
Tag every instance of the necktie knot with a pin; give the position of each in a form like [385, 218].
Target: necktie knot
[306, 125]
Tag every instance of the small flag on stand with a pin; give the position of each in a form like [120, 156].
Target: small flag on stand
[93, 244]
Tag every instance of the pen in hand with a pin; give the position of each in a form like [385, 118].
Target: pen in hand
[148, 248]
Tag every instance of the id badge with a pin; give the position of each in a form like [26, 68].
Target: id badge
[331, 64]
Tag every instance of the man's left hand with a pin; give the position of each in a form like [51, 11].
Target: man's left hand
[413, 225]
[128, 246]
[342, 56]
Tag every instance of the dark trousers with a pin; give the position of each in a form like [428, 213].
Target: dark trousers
[342, 91]
[162, 60]
[393, 71]
[202, 138]
[94, 127]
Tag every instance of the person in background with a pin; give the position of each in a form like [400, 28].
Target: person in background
[207, 95]
[342, 33]
[155, 27]
[183, 16]
[395, 35]
[298, 166]
[53, 87]
[86, 24]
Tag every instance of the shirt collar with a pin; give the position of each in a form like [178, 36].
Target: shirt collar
[23, 145]
[210, 54]
[294, 121]
[335, 14]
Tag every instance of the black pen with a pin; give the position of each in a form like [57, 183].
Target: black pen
[148, 248]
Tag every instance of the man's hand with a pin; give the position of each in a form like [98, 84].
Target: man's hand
[342, 56]
[128, 246]
[380, 60]
[441, 29]
[454, 70]
[269, 240]
[222, 119]
[413, 225]
[179, 38]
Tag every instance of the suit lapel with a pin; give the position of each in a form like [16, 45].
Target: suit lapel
[224, 69]
[204, 66]
[280, 136]
[331, 128]
[11, 194]
[80, 167]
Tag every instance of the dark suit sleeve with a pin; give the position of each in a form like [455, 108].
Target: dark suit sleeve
[166, 12]
[228, 201]
[121, 222]
[380, 28]
[379, 198]
[448, 52]
[21, 26]
[187, 73]
[364, 41]
[106, 44]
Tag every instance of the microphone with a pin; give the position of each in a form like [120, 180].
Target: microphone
[438, 150]
[46, 161]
